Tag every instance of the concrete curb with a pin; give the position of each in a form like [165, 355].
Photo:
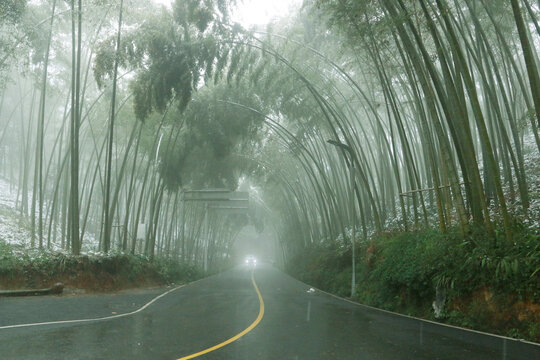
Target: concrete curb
[56, 289]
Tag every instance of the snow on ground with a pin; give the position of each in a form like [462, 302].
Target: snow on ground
[7, 196]
[13, 227]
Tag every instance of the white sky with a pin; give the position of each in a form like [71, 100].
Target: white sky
[257, 12]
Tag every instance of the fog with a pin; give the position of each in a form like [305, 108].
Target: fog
[306, 129]
[263, 246]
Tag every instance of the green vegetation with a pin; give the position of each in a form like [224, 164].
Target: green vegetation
[488, 285]
[433, 106]
[21, 268]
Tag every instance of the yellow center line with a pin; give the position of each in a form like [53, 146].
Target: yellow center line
[239, 335]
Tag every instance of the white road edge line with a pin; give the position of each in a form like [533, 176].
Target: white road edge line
[420, 319]
[411, 317]
[93, 319]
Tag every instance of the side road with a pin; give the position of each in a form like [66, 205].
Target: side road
[24, 310]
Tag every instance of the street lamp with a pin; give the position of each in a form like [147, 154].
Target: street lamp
[352, 171]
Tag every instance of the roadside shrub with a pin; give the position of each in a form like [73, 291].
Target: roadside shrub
[31, 268]
[174, 271]
[489, 284]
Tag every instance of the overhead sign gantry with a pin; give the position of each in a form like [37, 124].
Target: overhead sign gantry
[220, 200]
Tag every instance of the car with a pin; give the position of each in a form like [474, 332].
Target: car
[251, 261]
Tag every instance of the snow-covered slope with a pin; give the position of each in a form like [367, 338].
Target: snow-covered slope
[14, 228]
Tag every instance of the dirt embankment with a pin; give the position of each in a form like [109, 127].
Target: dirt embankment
[94, 274]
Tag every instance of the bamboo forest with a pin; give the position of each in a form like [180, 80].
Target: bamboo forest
[350, 156]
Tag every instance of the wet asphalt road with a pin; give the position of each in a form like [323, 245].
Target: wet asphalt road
[296, 325]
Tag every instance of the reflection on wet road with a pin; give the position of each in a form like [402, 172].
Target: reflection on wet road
[296, 325]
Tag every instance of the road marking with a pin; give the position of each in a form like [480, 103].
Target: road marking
[239, 335]
[505, 338]
[94, 319]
